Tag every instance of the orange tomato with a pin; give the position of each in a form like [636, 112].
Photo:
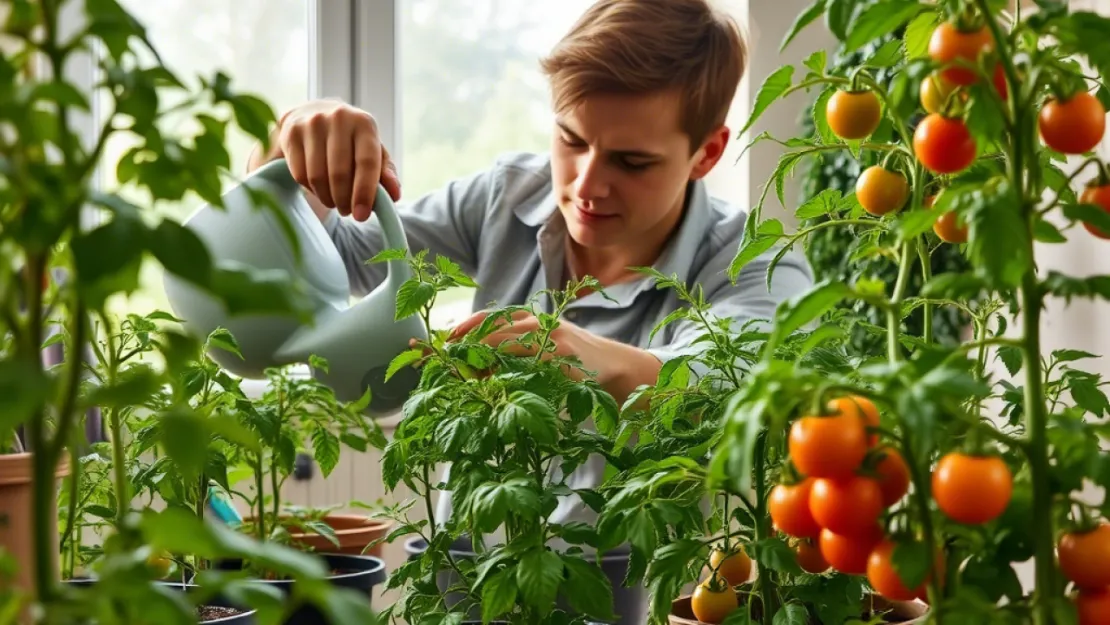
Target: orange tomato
[881, 191]
[949, 44]
[972, 489]
[809, 557]
[949, 230]
[734, 567]
[849, 506]
[1085, 557]
[712, 605]
[1098, 195]
[1093, 606]
[828, 446]
[865, 408]
[849, 554]
[853, 114]
[1072, 126]
[789, 509]
[883, 577]
[944, 145]
[894, 476]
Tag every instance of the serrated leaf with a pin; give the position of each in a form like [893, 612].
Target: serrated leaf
[1012, 357]
[221, 338]
[821, 119]
[816, 62]
[529, 413]
[1088, 396]
[805, 18]
[412, 297]
[1072, 355]
[771, 89]
[918, 32]
[403, 360]
[387, 255]
[878, 20]
[538, 576]
[806, 308]
[792, 614]
[776, 555]
[766, 235]
[888, 55]
[325, 449]
[587, 589]
[824, 203]
[498, 594]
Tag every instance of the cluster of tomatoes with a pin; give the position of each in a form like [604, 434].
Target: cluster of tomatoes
[942, 142]
[1084, 558]
[834, 512]
[715, 597]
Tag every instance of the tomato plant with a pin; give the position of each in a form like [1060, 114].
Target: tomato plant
[985, 442]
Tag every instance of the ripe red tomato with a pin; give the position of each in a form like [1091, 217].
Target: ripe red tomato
[853, 114]
[735, 567]
[864, 408]
[849, 554]
[713, 605]
[949, 44]
[1085, 557]
[828, 446]
[1073, 126]
[884, 578]
[881, 191]
[972, 489]
[1093, 606]
[789, 508]
[894, 476]
[943, 144]
[809, 557]
[1099, 195]
[848, 506]
[949, 229]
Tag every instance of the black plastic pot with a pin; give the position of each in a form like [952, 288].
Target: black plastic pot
[360, 573]
[246, 617]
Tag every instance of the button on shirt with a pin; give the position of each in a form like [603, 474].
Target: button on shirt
[503, 227]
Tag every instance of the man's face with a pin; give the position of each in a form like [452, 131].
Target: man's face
[620, 166]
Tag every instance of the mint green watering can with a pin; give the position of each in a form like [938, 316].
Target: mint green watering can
[358, 341]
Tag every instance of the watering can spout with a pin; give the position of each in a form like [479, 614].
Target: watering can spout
[358, 341]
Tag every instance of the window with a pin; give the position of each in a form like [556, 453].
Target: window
[196, 38]
[470, 89]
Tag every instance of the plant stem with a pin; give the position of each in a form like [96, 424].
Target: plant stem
[927, 274]
[119, 468]
[894, 313]
[921, 498]
[260, 485]
[765, 586]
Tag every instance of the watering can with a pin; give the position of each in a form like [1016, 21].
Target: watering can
[358, 340]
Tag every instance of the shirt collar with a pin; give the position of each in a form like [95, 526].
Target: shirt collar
[676, 258]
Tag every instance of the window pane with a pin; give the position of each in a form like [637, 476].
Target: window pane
[471, 88]
[471, 85]
[196, 38]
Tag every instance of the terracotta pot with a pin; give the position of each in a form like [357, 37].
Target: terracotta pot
[902, 612]
[353, 531]
[16, 527]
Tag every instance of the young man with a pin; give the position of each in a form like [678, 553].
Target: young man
[641, 91]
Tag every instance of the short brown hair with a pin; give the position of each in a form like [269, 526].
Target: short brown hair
[647, 46]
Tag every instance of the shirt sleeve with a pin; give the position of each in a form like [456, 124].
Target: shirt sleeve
[746, 300]
[446, 222]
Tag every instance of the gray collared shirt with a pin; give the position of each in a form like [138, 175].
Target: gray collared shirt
[502, 226]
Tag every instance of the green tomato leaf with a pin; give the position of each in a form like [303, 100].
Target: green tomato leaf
[412, 297]
[498, 594]
[795, 313]
[918, 33]
[403, 360]
[792, 613]
[775, 554]
[587, 589]
[755, 244]
[805, 18]
[824, 203]
[325, 449]
[911, 562]
[181, 252]
[878, 20]
[538, 577]
[772, 89]
[838, 16]
[888, 54]
[529, 413]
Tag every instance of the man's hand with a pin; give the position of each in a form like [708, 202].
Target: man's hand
[334, 152]
[618, 367]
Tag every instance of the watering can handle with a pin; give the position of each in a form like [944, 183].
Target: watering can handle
[393, 232]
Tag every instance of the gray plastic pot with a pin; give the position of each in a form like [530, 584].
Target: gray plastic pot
[246, 617]
[629, 604]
